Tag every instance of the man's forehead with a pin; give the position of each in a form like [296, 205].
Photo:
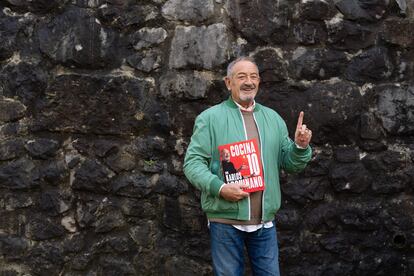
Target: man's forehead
[245, 66]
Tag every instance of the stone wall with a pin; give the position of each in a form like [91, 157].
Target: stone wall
[97, 104]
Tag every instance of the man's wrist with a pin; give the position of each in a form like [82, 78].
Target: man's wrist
[219, 192]
[300, 147]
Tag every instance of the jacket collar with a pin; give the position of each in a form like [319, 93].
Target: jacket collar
[230, 103]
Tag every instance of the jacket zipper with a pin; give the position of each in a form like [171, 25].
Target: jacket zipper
[245, 135]
[261, 158]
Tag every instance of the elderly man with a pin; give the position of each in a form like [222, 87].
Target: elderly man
[238, 219]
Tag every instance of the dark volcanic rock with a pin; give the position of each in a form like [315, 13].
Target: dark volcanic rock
[53, 202]
[346, 155]
[86, 212]
[270, 17]
[370, 127]
[188, 10]
[396, 108]
[108, 220]
[303, 190]
[185, 266]
[9, 26]
[351, 177]
[11, 110]
[141, 208]
[334, 111]
[132, 185]
[315, 9]
[146, 62]
[89, 4]
[43, 228]
[19, 174]
[215, 37]
[148, 37]
[190, 85]
[41, 6]
[17, 201]
[272, 67]
[11, 149]
[149, 147]
[45, 258]
[345, 34]
[92, 176]
[122, 14]
[399, 32]
[317, 63]
[99, 110]
[121, 161]
[53, 172]
[96, 147]
[108, 265]
[288, 219]
[170, 185]
[42, 148]
[24, 82]
[371, 65]
[77, 38]
[143, 234]
[379, 163]
[370, 10]
[335, 243]
[115, 244]
[309, 33]
[366, 218]
[13, 247]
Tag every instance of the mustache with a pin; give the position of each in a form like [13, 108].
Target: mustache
[248, 86]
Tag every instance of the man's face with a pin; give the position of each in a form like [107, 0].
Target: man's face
[225, 155]
[243, 82]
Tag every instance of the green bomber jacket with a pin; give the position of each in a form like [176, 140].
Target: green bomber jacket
[223, 124]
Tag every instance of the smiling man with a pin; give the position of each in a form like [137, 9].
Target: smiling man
[239, 219]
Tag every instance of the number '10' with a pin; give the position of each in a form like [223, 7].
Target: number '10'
[253, 163]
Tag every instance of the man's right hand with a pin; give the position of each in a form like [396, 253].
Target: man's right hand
[233, 192]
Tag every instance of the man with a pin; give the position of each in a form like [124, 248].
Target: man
[238, 219]
[227, 166]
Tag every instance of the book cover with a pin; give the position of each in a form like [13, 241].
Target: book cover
[241, 163]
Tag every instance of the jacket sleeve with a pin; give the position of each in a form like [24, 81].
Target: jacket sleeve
[293, 159]
[198, 157]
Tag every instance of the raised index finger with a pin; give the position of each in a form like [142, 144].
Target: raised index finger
[300, 120]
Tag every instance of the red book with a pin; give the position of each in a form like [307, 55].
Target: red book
[241, 163]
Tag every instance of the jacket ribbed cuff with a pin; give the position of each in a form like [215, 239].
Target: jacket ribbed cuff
[215, 187]
[301, 151]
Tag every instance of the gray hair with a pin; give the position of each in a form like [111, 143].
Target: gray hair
[242, 58]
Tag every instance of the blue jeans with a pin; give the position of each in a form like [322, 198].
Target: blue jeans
[227, 250]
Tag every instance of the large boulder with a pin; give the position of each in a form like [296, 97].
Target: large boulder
[99, 110]
[272, 66]
[350, 35]
[334, 111]
[362, 10]
[78, 38]
[188, 10]
[372, 65]
[399, 32]
[395, 106]
[188, 84]
[9, 26]
[263, 20]
[23, 82]
[317, 63]
[205, 47]
[39, 6]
